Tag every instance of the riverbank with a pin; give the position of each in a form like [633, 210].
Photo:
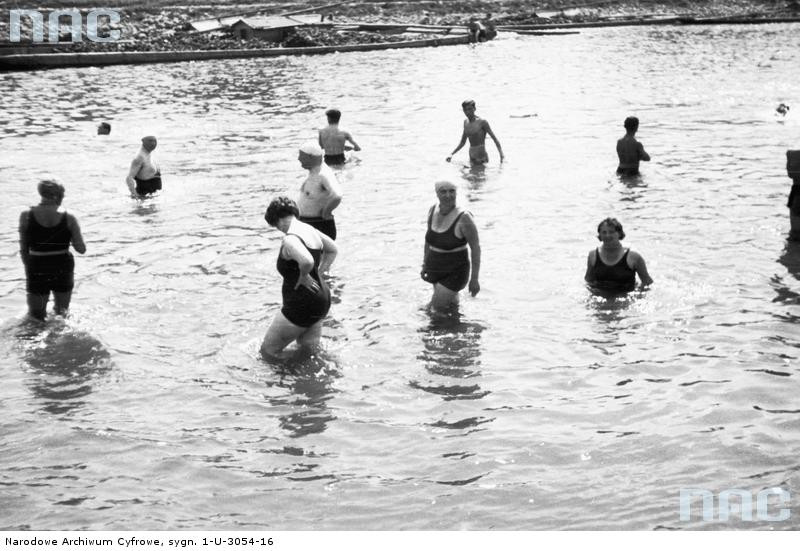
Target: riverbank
[164, 26]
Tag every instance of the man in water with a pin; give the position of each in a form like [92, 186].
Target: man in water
[475, 129]
[793, 169]
[629, 150]
[144, 176]
[320, 193]
[332, 139]
[103, 129]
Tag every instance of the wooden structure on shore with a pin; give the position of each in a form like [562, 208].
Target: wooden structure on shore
[26, 62]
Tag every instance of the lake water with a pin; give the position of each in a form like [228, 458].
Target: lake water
[541, 407]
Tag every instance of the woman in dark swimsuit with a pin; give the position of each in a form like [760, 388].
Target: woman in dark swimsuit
[612, 268]
[446, 263]
[45, 235]
[305, 253]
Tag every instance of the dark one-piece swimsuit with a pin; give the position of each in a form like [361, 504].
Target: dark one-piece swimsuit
[302, 306]
[54, 272]
[450, 269]
[620, 277]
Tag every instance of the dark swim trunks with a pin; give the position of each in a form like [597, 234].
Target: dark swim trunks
[146, 187]
[328, 227]
[333, 160]
[794, 200]
[50, 273]
[627, 171]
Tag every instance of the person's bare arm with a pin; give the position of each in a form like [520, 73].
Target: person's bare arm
[294, 249]
[75, 230]
[590, 260]
[470, 233]
[350, 139]
[136, 166]
[23, 236]
[329, 252]
[641, 269]
[643, 156]
[460, 144]
[488, 130]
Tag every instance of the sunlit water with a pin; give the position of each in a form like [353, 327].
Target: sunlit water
[543, 407]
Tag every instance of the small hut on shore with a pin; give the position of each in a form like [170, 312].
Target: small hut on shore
[272, 28]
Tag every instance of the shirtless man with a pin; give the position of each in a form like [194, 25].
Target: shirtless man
[320, 192]
[629, 150]
[476, 129]
[144, 176]
[332, 139]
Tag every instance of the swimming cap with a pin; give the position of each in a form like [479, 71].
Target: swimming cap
[50, 189]
[444, 183]
[311, 148]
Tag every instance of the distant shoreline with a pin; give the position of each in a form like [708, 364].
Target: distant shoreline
[167, 27]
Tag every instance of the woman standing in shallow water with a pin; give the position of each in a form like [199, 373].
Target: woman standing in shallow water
[45, 235]
[612, 268]
[305, 253]
[446, 264]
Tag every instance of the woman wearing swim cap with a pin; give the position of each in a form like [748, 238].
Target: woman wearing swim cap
[45, 235]
[446, 265]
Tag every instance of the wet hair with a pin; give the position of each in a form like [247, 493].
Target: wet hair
[631, 124]
[280, 207]
[467, 103]
[333, 115]
[52, 190]
[104, 127]
[614, 223]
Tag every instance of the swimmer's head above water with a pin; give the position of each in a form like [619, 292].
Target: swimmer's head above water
[612, 223]
[51, 191]
[280, 207]
[310, 155]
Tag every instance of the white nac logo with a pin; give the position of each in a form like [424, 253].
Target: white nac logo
[53, 23]
[745, 507]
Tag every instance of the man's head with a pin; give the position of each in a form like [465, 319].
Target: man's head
[631, 124]
[310, 155]
[149, 143]
[50, 190]
[103, 129]
[334, 115]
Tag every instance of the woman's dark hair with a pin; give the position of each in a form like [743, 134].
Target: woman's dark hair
[278, 208]
[614, 223]
[52, 190]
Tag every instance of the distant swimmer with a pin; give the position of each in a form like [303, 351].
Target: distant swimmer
[304, 255]
[320, 193]
[45, 235]
[793, 169]
[446, 262]
[103, 129]
[629, 150]
[144, 176]
[476, 129]
[333, 140]
[782, 109]
[612, 268]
